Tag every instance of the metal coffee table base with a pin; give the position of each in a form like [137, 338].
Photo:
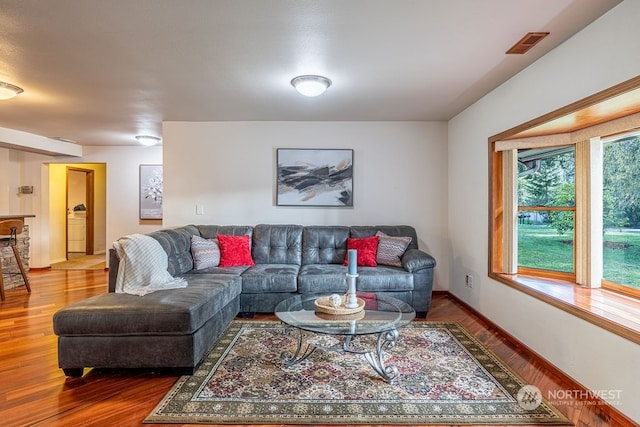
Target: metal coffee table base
[385, 340]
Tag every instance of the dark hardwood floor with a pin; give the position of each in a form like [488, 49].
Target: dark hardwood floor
[34, 392]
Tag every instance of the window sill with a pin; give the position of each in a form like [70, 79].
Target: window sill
[614, 312]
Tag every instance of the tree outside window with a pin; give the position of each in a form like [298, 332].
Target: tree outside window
[621, 211]
[546, 205]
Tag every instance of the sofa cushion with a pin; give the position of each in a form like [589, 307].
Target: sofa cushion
[325, 278]
[277, 244]
[389, 230]
[234, 250]
[383, 279]
[269, 278]
[177, 244]
[391, 249]
[211, 231]
[324, 244]
[205, 252]
[366, 247]
[235, 270]
[332, 279]
[175, 311]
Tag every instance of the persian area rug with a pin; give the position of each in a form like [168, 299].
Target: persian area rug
[446, 377]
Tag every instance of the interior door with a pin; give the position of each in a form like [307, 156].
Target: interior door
[80, 208]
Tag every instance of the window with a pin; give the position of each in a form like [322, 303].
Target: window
[621, 213]
[546, 232]
[546, 206]
[565, 194]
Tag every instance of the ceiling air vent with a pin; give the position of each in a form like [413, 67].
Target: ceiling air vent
[526, 43]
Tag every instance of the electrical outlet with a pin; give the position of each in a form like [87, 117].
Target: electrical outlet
[468, 280]
[199, 210]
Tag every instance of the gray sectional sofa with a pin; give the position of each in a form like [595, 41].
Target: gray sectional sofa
[174, 328]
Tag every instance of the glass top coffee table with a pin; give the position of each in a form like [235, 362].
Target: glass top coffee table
[382, 317]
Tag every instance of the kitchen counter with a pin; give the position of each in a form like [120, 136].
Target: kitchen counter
[11, 273]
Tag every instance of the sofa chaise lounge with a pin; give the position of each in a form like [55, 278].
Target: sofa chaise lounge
[174, 328]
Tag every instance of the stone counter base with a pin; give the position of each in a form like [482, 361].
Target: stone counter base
[10, 270]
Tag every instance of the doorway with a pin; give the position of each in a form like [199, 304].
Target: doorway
[79, 212]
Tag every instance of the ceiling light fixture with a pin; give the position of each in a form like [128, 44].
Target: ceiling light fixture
[311, 85]
[8, 91]
[148, 140]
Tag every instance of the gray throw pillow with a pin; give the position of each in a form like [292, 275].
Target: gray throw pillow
[391, 249]
[205, 252]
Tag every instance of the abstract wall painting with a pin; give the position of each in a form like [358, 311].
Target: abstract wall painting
[150, 191]
[315, 177]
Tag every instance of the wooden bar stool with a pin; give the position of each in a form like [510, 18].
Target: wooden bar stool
[9, 231]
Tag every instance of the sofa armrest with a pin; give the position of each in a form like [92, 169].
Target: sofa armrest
[414, 260]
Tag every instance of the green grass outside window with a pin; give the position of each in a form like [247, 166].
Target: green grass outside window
[541, 247]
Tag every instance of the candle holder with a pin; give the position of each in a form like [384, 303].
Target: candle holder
[351, 300]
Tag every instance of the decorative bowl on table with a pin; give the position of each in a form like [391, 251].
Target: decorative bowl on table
[327, 305]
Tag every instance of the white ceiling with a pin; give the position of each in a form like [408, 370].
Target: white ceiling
[99, 72]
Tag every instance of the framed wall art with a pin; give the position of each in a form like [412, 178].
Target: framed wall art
[314, 177]
[150, 191]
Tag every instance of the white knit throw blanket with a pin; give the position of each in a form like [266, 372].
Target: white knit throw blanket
[143, 266]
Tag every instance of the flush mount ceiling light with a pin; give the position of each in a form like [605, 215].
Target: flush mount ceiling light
[311, 85]
[8, 91]
[148, 140]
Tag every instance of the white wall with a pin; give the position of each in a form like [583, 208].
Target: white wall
[16, 169]
[601, 56]
[23, 168]
[230, 169]
[12, 176]
[123, 169]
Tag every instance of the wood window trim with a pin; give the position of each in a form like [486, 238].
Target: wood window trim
[616, 287]
[587, 119]
[608, 309]
[612, 311]
[560, 275]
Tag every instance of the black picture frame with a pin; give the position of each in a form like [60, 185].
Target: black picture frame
[314, 177]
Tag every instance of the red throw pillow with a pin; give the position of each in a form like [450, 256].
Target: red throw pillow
[234, 250]
[367, 248]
